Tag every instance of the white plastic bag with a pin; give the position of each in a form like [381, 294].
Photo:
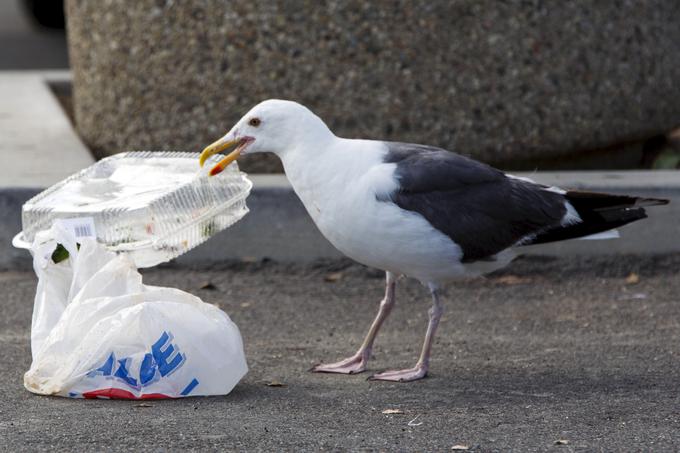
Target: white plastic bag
[98, 331]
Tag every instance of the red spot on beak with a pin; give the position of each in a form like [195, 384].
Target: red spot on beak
[216, 170]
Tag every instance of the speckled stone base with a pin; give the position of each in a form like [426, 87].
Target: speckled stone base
[492, 80]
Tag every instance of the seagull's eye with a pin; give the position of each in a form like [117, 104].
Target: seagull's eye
[254, 122]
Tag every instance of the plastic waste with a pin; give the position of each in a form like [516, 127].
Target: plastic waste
[99, 332]
[154, 206]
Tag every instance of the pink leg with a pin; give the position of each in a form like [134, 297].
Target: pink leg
[420, 370]
[357, 362]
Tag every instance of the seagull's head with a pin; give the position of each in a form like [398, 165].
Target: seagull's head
[271, 126]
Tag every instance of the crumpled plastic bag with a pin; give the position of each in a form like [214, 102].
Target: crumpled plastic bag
[98, 331]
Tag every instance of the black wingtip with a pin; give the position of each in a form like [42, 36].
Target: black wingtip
[599, 212]
[598, 200]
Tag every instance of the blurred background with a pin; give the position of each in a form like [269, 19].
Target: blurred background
[524, 86]
[32, 34]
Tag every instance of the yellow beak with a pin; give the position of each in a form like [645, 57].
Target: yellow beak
[218, 146]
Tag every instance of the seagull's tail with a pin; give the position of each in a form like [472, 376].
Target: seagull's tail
[599, 212]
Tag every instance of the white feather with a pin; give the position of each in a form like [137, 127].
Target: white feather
[571, 217]
[609, 234]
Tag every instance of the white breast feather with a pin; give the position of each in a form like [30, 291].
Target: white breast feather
[340, 190]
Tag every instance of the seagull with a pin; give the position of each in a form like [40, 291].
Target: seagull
[414, 210]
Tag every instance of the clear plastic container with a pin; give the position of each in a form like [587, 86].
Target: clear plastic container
[153, 205]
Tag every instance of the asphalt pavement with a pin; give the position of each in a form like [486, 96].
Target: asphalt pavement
[574, 354]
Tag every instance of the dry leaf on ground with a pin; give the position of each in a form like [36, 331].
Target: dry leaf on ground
[392, 411]
[512, 280]
[333, 277]
[210, 286]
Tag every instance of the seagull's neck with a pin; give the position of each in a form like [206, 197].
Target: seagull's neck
[306, 161]
[321, 168]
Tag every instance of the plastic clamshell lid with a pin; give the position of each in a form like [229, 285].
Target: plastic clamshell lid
[153, 205]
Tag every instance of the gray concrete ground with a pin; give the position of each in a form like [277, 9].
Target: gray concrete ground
[549, 350]
[39, 146]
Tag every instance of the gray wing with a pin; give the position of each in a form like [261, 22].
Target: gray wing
[477, 206]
